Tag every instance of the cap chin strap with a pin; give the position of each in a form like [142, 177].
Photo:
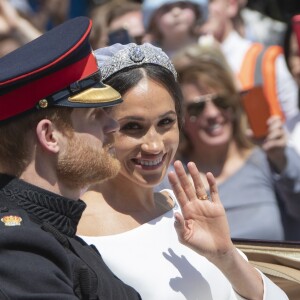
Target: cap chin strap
[74, 88]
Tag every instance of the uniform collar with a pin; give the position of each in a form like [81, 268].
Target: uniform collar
[44, 206]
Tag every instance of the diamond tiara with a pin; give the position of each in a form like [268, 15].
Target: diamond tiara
[132, 55]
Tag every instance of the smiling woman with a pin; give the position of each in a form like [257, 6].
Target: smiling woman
[148, 136]
[133, 227]
[258, 185]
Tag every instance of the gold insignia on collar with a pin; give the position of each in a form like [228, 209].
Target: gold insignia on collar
[11, 220]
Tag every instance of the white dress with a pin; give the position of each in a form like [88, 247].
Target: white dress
[151, 259]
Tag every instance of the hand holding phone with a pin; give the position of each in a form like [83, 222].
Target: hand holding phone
[259, 109]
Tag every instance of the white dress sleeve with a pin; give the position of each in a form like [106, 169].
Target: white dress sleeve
[271, 290]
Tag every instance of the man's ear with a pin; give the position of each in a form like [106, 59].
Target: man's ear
[47, 135]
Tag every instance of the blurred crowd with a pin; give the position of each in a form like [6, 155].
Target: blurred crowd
[221, 49]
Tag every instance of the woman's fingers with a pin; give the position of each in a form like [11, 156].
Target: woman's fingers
[177, 188]
[184, 180]
[214, 194]
[198, 184]
[184, 189]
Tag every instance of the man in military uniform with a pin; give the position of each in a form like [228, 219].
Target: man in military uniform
[55, 141]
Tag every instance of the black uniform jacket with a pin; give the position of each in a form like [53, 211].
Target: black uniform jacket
[40, 256]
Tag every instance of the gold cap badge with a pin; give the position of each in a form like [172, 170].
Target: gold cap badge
[43, 103]
[11, 220]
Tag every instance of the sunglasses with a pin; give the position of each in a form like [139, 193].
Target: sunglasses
[197, 107]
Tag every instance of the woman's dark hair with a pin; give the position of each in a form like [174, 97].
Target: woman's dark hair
[126, 79]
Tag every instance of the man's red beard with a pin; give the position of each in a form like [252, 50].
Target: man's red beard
[82, 165]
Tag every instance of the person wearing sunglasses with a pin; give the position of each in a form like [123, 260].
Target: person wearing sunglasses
[195, 108]
[258, 184]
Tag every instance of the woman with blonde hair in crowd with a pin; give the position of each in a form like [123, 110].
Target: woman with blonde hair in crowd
[259, 186]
